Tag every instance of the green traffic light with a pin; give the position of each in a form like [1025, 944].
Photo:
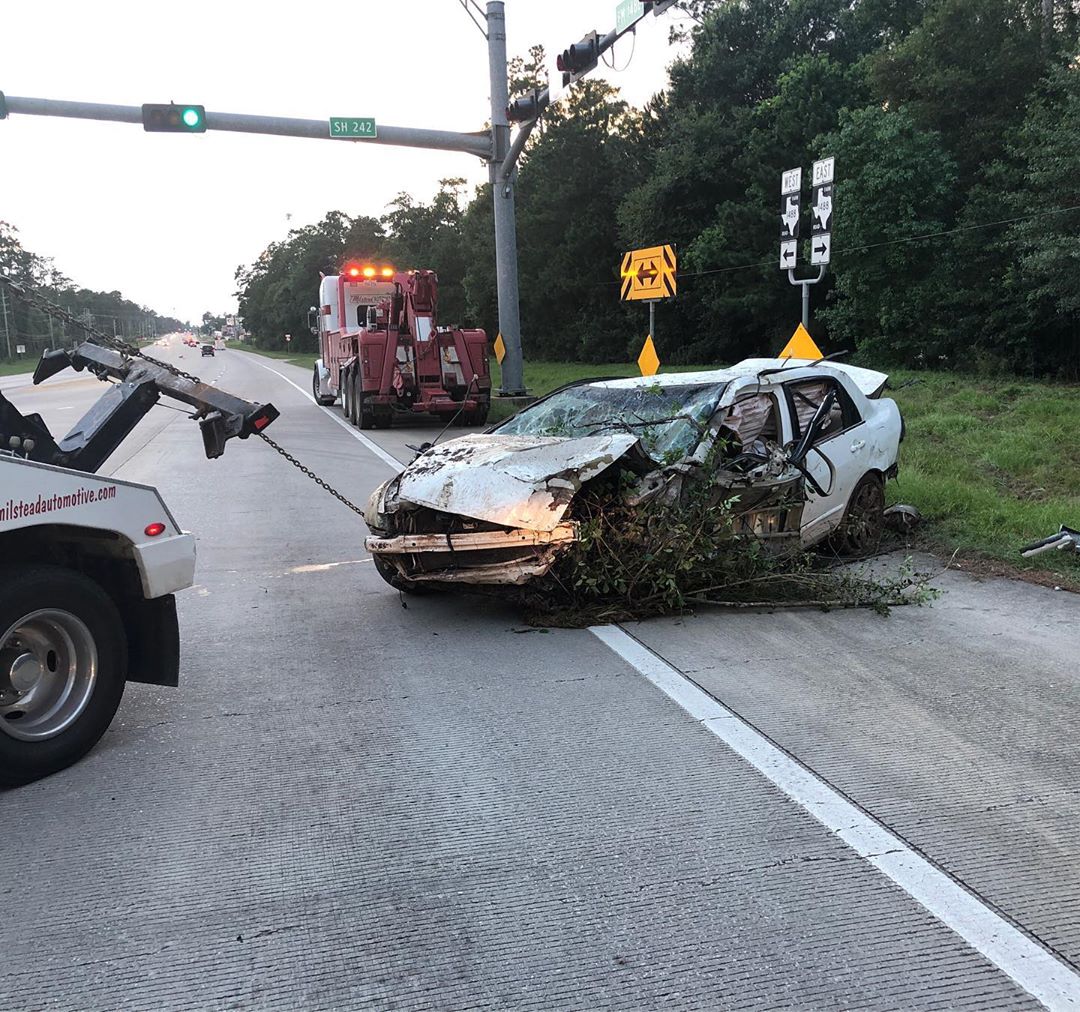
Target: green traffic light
[191, 118]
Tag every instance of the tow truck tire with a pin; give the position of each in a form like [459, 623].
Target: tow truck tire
[62, 643]
[365, 417]
[356, 399]
[316, 389]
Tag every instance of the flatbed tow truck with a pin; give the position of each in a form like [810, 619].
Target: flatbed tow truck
[89, 565]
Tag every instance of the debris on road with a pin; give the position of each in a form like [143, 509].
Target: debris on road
[902, 518]
[1065, 540]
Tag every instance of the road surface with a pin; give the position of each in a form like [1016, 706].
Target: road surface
[351, 803]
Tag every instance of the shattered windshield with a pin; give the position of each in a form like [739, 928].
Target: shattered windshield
[669, 420]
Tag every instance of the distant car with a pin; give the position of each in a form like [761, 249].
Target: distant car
[499, 507]
[208, 349]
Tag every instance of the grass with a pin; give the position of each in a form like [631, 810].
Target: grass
[305, 361]
[992, 464]
[13, 368]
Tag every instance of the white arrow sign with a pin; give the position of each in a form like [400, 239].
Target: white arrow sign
[788, 254]
[820, 248]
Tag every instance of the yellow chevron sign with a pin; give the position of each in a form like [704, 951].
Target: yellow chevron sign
[648, 273]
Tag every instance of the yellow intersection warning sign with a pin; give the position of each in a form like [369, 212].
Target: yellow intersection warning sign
[500, 349]
[648, 273]
[648, 361]
[801, 345]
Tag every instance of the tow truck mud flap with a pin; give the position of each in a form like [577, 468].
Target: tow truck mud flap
[153, 635]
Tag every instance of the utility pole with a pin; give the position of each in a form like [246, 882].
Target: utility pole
[502, 187]
[7, 332]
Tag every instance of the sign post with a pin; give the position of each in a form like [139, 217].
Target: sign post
[820, 228]
[649, 275]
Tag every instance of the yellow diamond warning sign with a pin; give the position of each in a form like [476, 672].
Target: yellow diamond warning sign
[802, 346]
[648, 273]
[648, 361]
[500, 349]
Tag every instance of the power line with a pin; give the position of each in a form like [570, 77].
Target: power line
[885, 242]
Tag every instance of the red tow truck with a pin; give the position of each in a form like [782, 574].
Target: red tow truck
[382, 352]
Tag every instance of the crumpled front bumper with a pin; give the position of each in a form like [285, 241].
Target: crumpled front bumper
[511, 556]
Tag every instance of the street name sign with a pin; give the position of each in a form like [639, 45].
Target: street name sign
[353, 128]
[648, 273]
[628, 13]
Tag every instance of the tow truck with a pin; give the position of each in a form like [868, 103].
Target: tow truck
[382, 352]
[89, 565]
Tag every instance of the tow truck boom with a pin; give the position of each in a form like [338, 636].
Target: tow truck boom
[141, 383]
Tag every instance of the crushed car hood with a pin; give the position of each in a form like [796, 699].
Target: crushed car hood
[516, 481]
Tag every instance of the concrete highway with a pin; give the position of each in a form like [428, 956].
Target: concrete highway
[357, 801]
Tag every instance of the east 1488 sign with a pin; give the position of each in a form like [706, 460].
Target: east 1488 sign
[821, 211]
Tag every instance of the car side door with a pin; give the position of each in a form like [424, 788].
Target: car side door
[837, 458]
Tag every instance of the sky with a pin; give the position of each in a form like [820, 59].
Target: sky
[167, 218]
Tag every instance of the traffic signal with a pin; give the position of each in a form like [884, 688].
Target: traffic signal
[175, 119]
[521, 109]
[580, 58]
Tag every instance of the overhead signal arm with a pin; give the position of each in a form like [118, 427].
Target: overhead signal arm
[575, 62]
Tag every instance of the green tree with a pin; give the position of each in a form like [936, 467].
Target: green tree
[898, 182]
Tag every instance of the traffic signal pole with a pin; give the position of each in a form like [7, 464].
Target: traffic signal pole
[279, 126]
[503, 176]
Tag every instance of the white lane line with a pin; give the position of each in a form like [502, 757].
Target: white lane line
[373, 447]
[1041, 974]
[325, 567]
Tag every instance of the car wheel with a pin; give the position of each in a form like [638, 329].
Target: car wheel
[63, 665]
[859, 533]
[388, 571]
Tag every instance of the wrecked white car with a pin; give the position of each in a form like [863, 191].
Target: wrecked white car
[804, 448]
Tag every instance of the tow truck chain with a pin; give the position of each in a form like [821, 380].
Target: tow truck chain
[49, 308]
[311, 474]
